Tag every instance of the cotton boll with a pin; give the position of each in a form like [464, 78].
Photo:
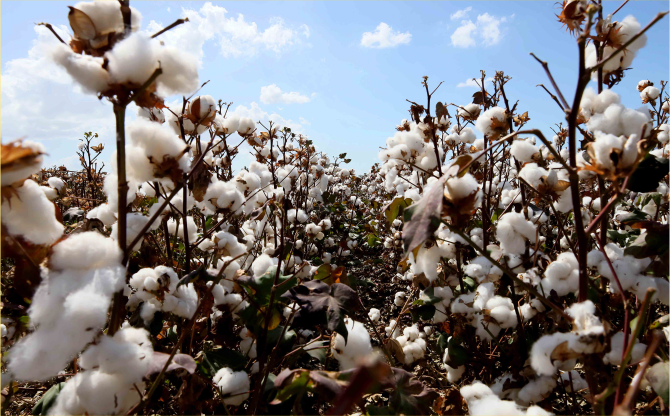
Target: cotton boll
[523, 151]
[357, 345]
[132, 60]
[537, 389]
[614, 356]
[374, 314]
[396, 331]
[469, 111]
[86, 70]
[233, 386]
[261, 265]
[562, 275]
[180, 72]
[246, 126]
[649, 94]
[493, 122]
[56, 183]
[107, 17]
[224, 196]
[511, 230]
[30, 214]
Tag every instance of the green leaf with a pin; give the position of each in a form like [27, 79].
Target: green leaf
[373, 240]
[458, 355]
[442, 343]
[48, 399]
[395, 207]
[425, 312]
[657, 376]
[260, 287]
[322, 304]
[214, 360]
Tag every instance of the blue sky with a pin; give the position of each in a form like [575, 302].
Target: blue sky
[325, 76]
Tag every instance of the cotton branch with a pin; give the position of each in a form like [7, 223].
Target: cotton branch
[551, 79]
[174, 24]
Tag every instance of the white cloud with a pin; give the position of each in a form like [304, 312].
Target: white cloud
[257, 114]
[304, 122]
[383, 37]
[471, 83]
[462, 37]
[272, 94]
[235, 36]
[305, 30]
[461, 14]
[487, 30]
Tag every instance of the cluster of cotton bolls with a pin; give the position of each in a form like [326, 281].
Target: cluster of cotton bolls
[586, 338]
[413, 343]
[70, 305]
[617, 33]
[156, 290]
[130, 62]
[629, 272]
[486, 311]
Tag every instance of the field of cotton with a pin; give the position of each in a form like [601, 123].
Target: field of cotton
[484, 265]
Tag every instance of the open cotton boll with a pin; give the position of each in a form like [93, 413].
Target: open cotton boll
[355, 349]
[587, 330]
[246, 126]
[562, 275]
[426, 262]
[104, 213]
[114, 371]
[158, 143]
[469, 112]
[533, 174]
[461, 187]
[135, 221]
[374, 314]
[19, 173]
[107, 17]
[70, 305]
[261, 265]
[523, 151]
[56, 183]
[649, 94]
[224, 196]
[133, 60]
[84, 69]
[233, 386]
[29, 213]
[483, 402]
[511, 230]
[537, 389]
[229, 243]
[492, 122]
[614, 356]
[619, 121]
[110, 188]
[396, 331]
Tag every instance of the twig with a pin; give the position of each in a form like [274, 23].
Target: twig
[174, 24]
[551, 79]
